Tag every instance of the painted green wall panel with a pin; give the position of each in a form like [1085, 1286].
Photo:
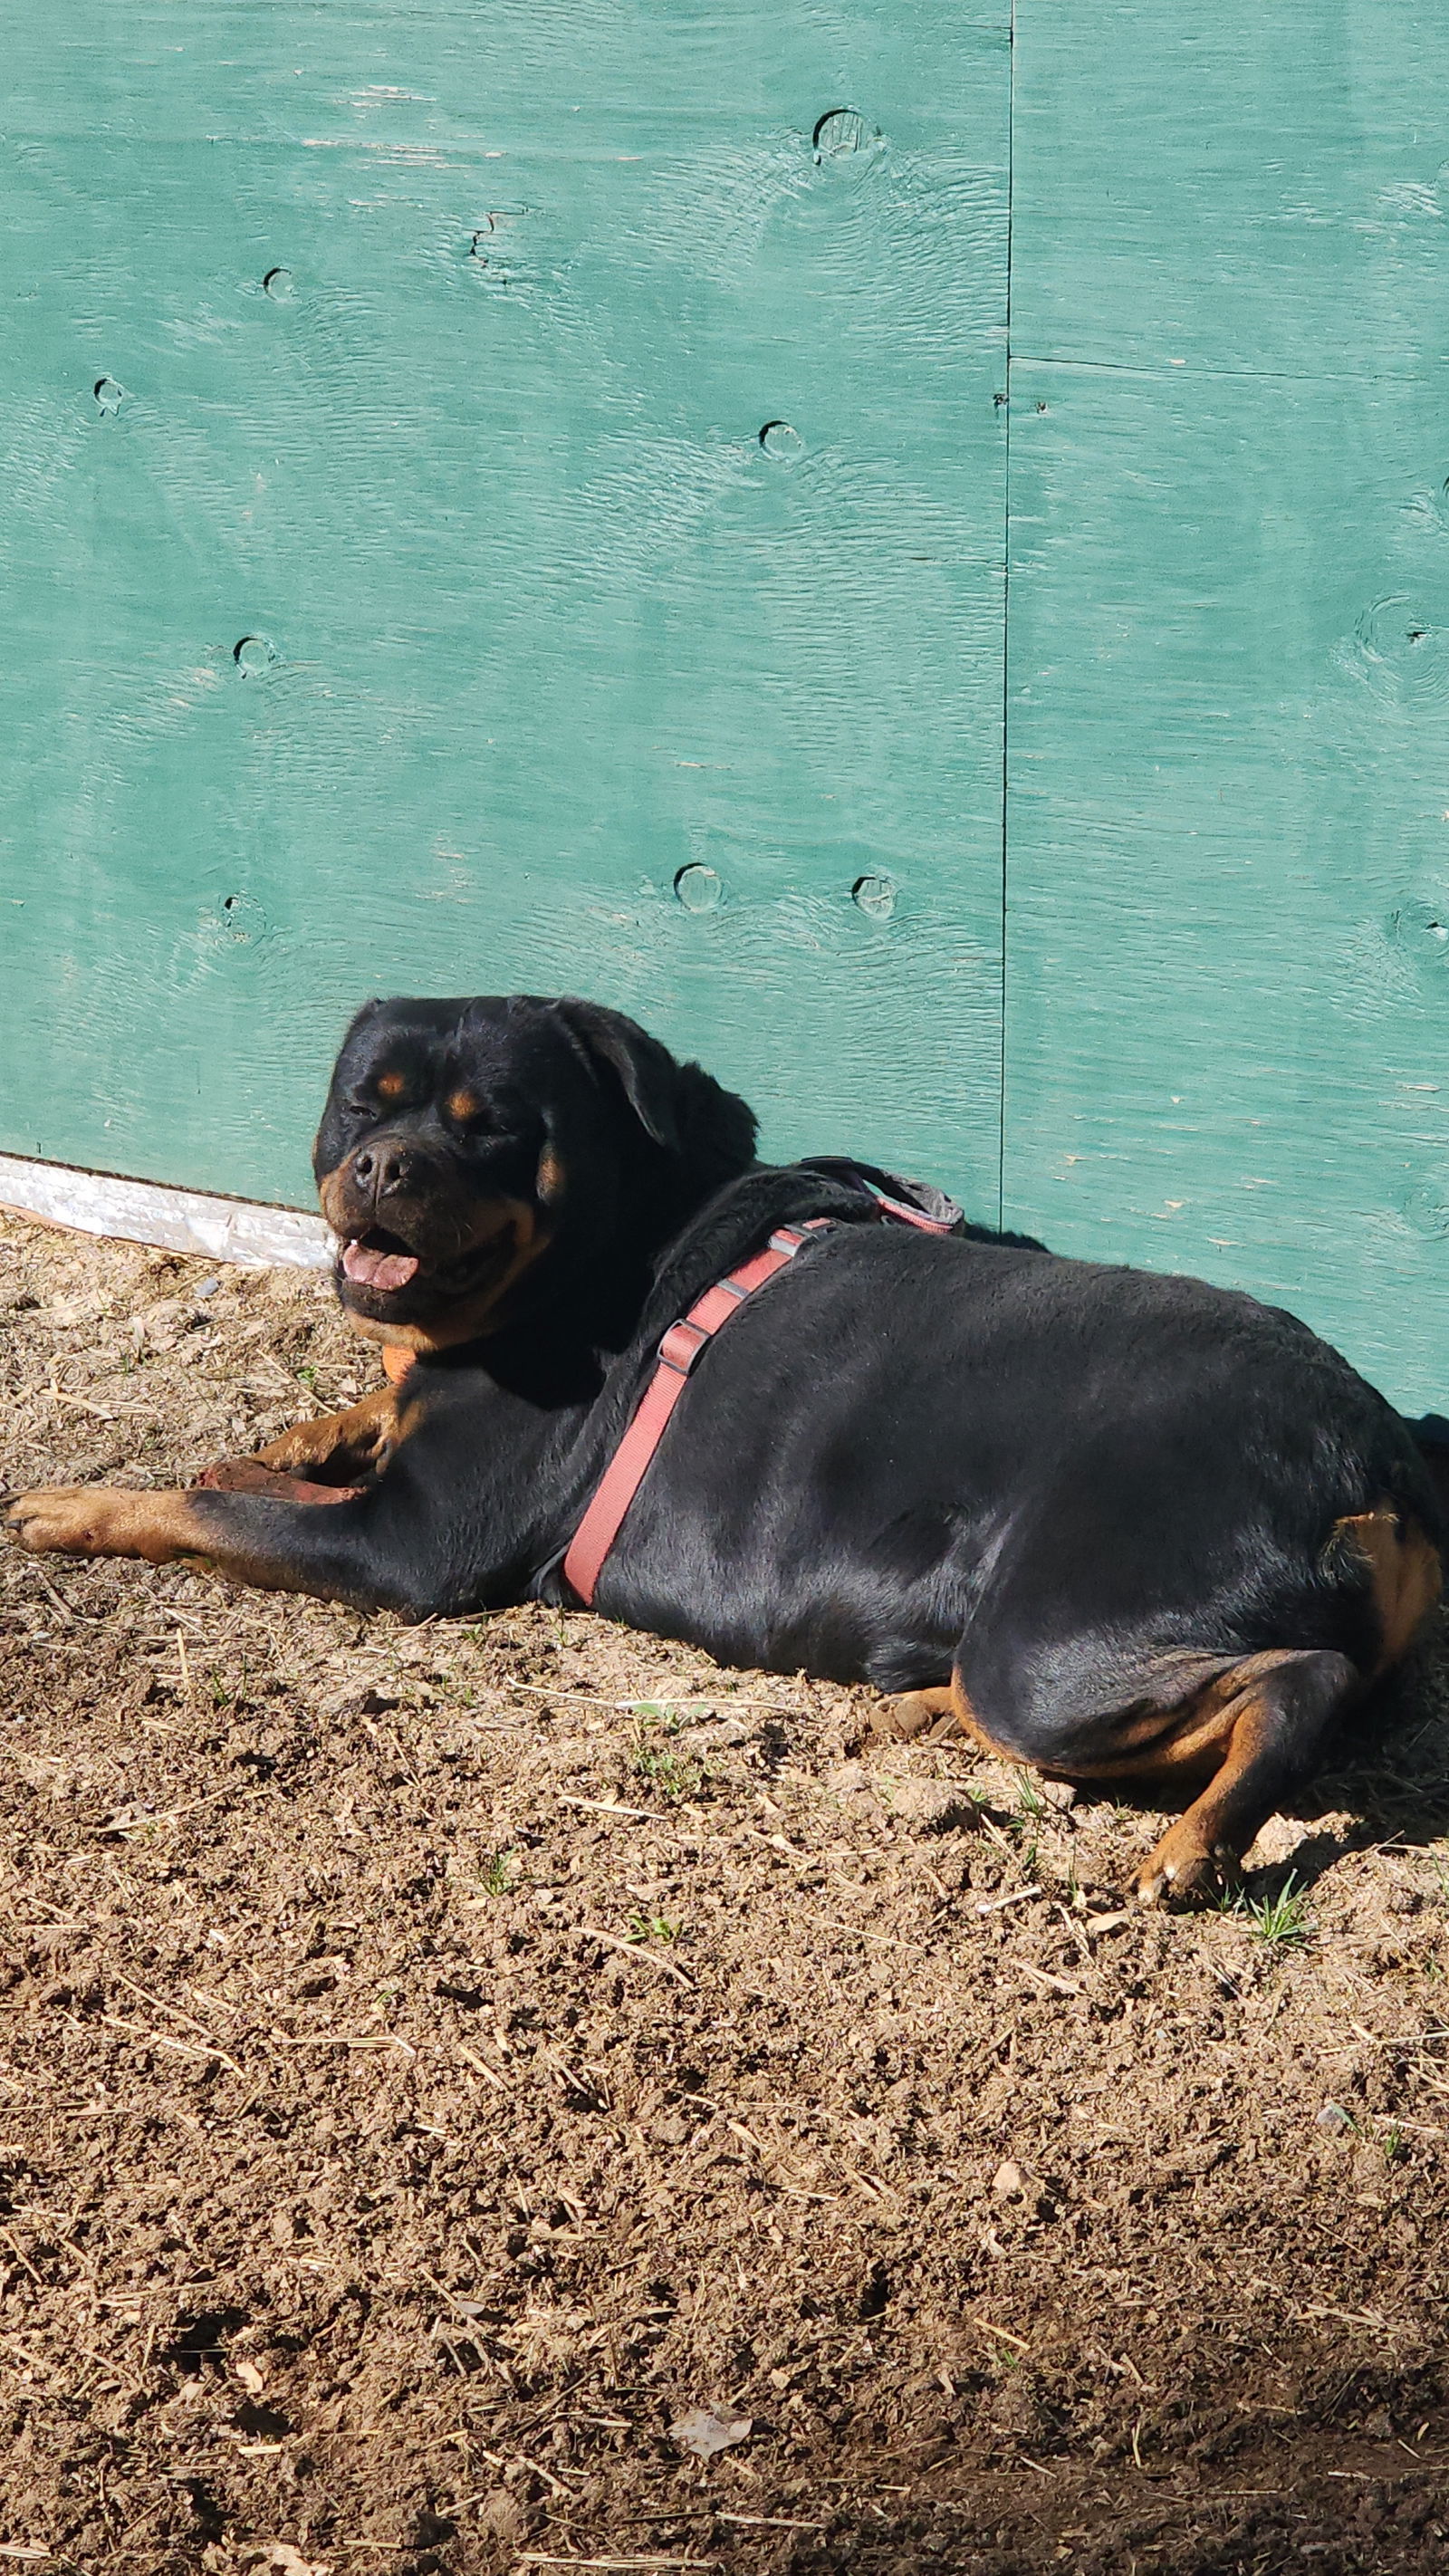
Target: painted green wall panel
[1228, 973]
[1259, 185]
[1228, 761]
[536, 620]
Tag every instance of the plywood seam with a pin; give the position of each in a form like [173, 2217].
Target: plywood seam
[1006, 616]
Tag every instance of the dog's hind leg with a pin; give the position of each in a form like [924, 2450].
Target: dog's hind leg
[1251, 1729]
[1271, 1725]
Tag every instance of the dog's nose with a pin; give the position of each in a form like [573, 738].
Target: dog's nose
[384, 1169]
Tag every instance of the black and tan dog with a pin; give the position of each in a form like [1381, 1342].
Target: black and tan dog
[1127, 1528]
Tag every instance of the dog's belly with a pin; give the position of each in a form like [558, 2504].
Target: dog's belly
[841, 1618]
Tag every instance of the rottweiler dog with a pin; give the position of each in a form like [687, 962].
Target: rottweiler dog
[1123, 1527]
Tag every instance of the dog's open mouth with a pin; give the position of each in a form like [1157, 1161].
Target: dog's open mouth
[381, 1264]
[379, 1260]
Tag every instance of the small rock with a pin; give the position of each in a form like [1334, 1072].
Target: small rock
[850, 1780]
[930, 1806]
[707, 2429]
[1334, 2117]
[502, 2517]
[160, 1325]
[1008, 2182]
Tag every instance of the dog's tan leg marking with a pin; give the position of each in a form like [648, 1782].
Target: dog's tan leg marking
[939, 1713]
[1227, 1729]
[1405, 1575]
[362, 1438]
[102, 1520]
[162, 1528]
[911, 1713]
[1273, 1722]
[1197, 1853]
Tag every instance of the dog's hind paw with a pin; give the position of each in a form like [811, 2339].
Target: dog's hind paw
[1183, 1871]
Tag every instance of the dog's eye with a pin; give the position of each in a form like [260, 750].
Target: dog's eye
[465, 1109]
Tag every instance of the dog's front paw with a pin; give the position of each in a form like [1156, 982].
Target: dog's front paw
[309, 1444]
[106, 1520]
[64, 1520]
[910, 1714]
[355, 1443]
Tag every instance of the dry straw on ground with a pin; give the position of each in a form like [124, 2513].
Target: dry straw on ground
[443, 2067]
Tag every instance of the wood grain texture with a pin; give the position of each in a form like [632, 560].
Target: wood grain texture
[1228, 805]
[423, 356]
[1228, 974]
[1259, 186]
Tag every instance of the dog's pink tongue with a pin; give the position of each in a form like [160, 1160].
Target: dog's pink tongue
[384, 1270]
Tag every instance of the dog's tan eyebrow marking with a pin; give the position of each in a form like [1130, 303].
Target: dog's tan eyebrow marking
[462, 1105]
[391, 1085]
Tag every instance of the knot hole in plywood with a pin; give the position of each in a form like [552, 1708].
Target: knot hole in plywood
[699, 888]
[254, 656]
[840, 132]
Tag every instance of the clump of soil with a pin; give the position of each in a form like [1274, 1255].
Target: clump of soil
[506, 2094]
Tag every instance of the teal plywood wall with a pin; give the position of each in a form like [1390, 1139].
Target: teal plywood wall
[423, 353]
[402, 592]
[1228, 700]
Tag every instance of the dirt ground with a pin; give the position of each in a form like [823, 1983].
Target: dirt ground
[453, 2076]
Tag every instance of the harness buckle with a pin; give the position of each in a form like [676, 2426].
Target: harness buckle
[682, 1345]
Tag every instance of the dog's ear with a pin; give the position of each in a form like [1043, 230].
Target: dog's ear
[646, 1070]
[679, 1105]
[358, 1023]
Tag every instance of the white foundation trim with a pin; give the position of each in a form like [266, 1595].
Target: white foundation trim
[259, 1238]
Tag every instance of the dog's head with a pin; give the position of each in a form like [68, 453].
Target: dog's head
[466, 1143]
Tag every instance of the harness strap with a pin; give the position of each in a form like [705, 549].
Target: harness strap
[678, 1352]
[905, 1214]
